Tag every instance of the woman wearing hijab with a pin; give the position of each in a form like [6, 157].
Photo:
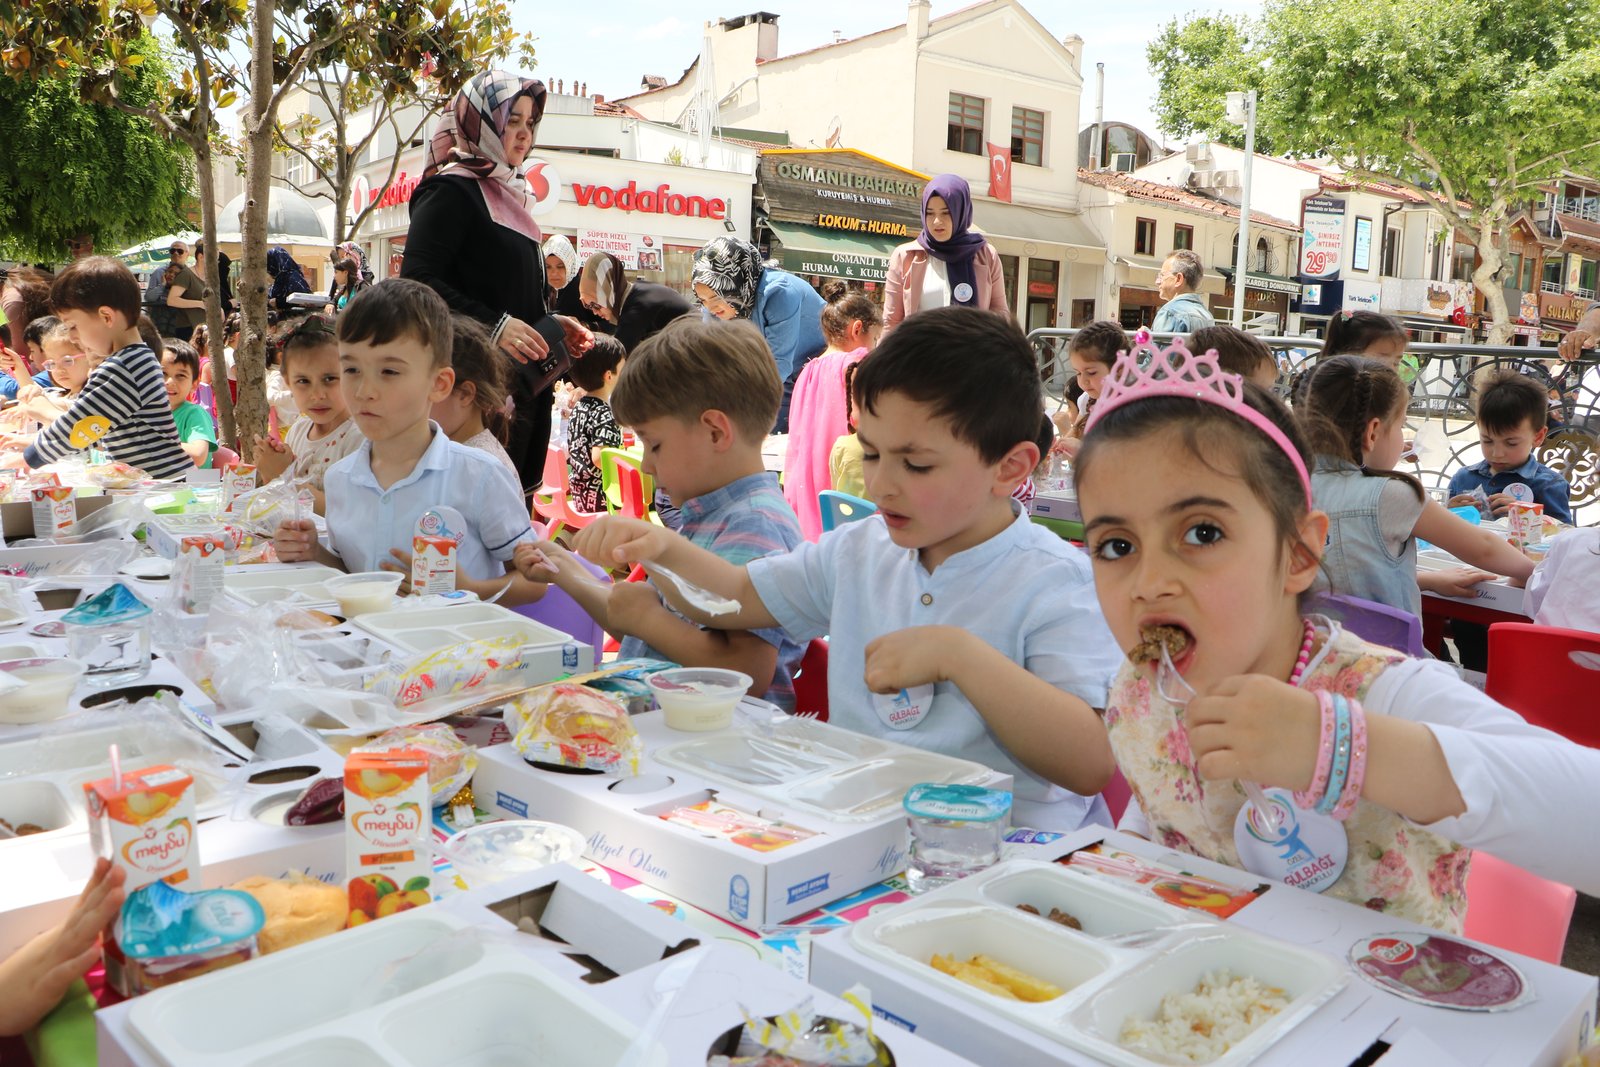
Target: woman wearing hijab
[949, 263]
[287, 278]
[362, 278]
[636, 309]
[731, 282]
[473, 239]
[561, 266]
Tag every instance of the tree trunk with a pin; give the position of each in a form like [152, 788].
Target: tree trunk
[1485, 276]
[206, 177]
[253, 282]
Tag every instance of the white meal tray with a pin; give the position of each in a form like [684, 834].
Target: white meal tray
[416, 988]
[432, 628]
[266, 583]
[1131, 952]
[818, 768]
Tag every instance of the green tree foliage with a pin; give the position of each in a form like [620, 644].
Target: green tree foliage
[77, 171]
[1197, 63]
[1475, 104]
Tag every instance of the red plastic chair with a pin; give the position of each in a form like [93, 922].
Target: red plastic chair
[635, 504]
[1511, 908]
[550, 501]
[1548, 676]
[811, 681]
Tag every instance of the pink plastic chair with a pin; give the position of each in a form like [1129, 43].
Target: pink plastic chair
[1511, 908]
[550, 500]
[223, 458]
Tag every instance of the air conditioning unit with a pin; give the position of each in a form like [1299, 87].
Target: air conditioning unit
[1198, 153]
[1225, 179]
[1124, 162]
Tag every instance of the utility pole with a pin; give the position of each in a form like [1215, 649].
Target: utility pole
[1242, 112]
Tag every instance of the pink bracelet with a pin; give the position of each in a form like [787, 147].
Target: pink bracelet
[1353, 782]
[1307, 799]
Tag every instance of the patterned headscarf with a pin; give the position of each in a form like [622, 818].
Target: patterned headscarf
[731, 268]
[351, 250]
[287, 277]
[562, 249]
[467, 141]
[610, 281]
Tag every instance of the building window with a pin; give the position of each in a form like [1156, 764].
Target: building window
[1391, 252]
[1182, 237]
[1144, 237]
[1461, 264]
[1552, 276]
[1008, 270]
[1261, 262]
[1082, 312]
[1436, 263]
[1511, 270]
[966, 124]
[1027, 136]
[1361, 254]
[1587, 276]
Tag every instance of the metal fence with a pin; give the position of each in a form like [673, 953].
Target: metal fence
[1444, 393]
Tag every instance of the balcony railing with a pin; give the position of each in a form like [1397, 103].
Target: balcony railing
[1547, 286]
[1584, 207]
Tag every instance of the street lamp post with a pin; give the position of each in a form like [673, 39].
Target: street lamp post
[1242, 112]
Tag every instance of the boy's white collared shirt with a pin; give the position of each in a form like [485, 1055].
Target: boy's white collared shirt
[1024, 591]
[365, 521]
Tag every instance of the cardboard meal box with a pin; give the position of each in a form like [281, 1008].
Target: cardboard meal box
[1062, 506]
[621, 819]
[1498, 595]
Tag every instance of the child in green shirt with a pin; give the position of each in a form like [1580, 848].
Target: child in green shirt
[180, 367]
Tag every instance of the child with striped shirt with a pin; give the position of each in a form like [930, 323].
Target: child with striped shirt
[123, 407]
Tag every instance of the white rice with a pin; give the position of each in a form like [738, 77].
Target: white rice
[1200, 1025]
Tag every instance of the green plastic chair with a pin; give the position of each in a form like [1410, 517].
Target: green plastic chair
[1065, 529]
[611, 480]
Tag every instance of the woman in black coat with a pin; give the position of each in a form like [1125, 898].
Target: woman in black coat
[473, 240]
[636, 309]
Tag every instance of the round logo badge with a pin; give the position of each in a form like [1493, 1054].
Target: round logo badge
[1298, 848]
[905, 709]
[1520, 493]
[962, 292]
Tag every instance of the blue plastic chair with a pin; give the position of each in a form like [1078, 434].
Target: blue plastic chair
[839, 508]
[1371, 621]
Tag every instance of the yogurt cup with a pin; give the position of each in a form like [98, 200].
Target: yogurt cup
[496, 850]
[46, 691]
[697, 699]
[365, 592]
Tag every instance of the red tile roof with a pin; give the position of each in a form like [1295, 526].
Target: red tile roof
[1142, 189]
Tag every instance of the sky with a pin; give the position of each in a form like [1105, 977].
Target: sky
[611, 45]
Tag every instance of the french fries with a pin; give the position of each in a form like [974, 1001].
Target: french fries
[998, 979]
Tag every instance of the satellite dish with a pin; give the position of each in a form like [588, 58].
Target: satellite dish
[1185, 175]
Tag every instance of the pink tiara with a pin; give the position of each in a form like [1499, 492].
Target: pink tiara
[1175, 371]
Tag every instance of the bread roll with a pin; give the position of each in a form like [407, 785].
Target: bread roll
[297, 911]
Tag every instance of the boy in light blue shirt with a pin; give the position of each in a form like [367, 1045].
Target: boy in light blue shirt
[394, 361]
[987, 622]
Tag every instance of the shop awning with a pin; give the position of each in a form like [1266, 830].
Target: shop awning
[1265, 283]
[814, 250]
[1034, 224]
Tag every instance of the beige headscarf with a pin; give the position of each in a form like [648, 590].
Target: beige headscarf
[610, 281]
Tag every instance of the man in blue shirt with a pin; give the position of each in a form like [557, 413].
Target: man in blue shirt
[1185, 309]
[1511, 423]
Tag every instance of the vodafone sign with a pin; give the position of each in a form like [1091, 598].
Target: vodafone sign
[657, 200]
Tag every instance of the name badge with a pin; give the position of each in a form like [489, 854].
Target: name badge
[1305, 850]
[962, 292]
[905, 709]
[1520, 493]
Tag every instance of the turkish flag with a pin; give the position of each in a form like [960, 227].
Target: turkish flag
[1000, 172]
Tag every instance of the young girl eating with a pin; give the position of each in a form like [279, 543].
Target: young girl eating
[1091, 352]
[324, 433]
[1353, 410]
[1383, 771]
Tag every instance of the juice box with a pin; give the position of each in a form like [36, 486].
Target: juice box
[1525, 522]
[387, 808]
[54, 514]
[433, 564]
[146, 825]
[237, 479]
[201, 558]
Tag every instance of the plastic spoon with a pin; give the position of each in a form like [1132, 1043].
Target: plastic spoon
[703, 599]
[668, 984]
[1165, 673]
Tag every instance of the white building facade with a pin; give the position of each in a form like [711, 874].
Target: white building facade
[927, 97]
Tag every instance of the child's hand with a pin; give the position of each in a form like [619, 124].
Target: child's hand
[399, 562]
[921, 655]
[578, 337]
[13, 461]
[630, 606]
[543, 562]
[36, 977]
[1256, 729]
[295, 540]
[29, 390]
[1455, 581]
[611, 539]
[1500, 503]
[1462, 500]
[270, 441]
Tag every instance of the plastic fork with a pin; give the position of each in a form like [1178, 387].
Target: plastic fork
[1166, 673]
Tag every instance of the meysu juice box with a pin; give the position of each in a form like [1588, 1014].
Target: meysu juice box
[145, 824]
[387, 808]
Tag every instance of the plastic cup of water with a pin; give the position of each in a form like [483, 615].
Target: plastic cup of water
[956, 830]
